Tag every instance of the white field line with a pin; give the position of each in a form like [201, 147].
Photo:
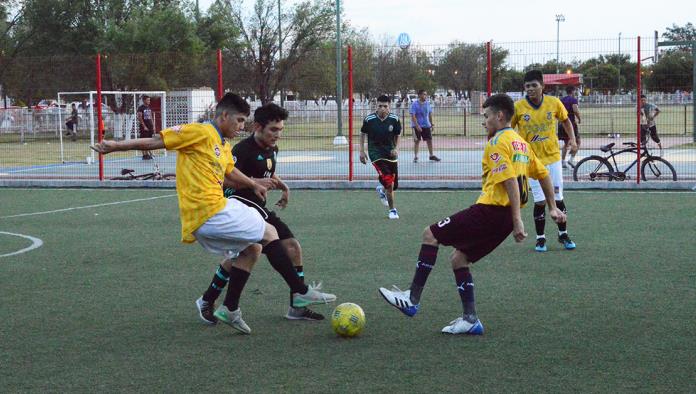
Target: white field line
[35, 243]
[85, 207]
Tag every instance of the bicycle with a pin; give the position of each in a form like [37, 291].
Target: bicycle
[595, 168]
[128, 174]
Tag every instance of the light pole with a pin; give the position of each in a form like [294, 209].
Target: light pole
[280, 51]
[559, 18]
[340, 139]
[618, 81]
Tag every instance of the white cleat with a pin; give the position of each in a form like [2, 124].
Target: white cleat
[382, 195]
[232, 318]
[312, 297]
[393, 214]
[461, 326]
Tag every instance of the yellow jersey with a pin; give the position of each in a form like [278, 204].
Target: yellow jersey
[537, 125]
[506, 156]
[203, 158]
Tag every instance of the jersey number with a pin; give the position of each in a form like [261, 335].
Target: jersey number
[524, 188]
[443, 222]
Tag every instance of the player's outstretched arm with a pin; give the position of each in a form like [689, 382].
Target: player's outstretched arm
[554, 212]
[108, 146]
[513, 192]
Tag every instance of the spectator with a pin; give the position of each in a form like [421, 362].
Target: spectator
[71, 124]
[147, 127]
[422, 124]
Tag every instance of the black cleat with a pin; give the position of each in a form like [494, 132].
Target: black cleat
[205, 312]
[303, 314]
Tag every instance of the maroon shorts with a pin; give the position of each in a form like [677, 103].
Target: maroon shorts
[475, 231]
[388, 173]
[425, 135]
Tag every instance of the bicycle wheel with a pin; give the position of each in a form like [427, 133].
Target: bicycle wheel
[593, 168]
[657, 169]
[168, 176]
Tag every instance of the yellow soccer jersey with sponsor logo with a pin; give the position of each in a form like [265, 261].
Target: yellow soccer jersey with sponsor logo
[203, 158]
[507, 156]
[537, 125]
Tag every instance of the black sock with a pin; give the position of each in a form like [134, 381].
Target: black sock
[300, 272]
[561, 205]
[426, 261]
[238, 279]
[465, 286]
[539, 218]
[280, 261]
[218, 283]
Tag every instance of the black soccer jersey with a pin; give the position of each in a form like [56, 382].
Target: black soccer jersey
[254, 162]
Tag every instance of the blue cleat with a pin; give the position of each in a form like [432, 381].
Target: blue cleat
[567, 243]
[462, 326]
[400, 300]
[540, 245]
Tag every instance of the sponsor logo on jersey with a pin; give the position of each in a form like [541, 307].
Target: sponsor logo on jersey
[538, 138]
[520, 158]
[217, 151]
[495, 157]
[500, 168]
[519, 145]
[259, 158]
[526, 117]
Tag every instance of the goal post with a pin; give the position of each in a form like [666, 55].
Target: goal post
[119, 118]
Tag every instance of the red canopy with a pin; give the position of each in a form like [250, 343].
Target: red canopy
[563, 79]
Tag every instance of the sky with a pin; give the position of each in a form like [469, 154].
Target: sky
[437, 22]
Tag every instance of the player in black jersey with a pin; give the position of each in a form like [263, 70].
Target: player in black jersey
[255, 157]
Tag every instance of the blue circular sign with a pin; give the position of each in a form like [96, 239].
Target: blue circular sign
[404, 41]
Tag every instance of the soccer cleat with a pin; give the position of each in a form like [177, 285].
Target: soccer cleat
[567, 243]
[461, 326]
[312, 297]
[540, 245]
[393, 214]
[233, 319]
[303, 314]
[564, 164]
[571, 163]
[400, 300]
[205, 311]
[382, 196]
[415, 160]
[434, 158]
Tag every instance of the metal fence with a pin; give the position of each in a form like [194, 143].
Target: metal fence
[455, 76]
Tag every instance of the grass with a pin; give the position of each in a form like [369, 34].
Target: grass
[106, 304]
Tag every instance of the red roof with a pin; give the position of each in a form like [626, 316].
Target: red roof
[562, 79]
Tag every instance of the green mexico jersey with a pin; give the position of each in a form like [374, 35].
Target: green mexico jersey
[381, 135]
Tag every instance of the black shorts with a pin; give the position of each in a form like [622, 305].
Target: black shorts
[564, 137]
[388, 173]
[145, 133]
[271, 218]
[475, 231]
[425, 135]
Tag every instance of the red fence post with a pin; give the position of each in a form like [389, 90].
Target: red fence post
[100, 124]
[639, 91]
[219, 74]
[489, 67]
[350, 113]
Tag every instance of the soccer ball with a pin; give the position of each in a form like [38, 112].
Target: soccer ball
[348, 319]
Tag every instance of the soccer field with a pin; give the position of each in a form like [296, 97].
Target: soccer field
[106, 303]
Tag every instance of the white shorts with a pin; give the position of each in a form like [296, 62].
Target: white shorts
[231, 230]
[556, 174]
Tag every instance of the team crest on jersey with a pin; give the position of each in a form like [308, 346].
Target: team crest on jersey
[526, 117]
[549, 115]
[391, 128]
[269, 164]
[495, 157]
[217, 151]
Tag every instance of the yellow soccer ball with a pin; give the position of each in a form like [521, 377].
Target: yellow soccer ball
[348, 319]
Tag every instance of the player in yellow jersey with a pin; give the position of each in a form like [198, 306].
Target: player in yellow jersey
[507, 163]
[226, 227]
[535, 119]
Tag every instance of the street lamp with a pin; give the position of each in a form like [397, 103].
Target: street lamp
[559, 18]
[618, 82]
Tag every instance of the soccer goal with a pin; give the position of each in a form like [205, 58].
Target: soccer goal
[119, 117]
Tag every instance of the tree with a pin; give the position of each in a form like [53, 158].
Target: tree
[681, 33]
[305, 26]
[463, 67]
[673, 71]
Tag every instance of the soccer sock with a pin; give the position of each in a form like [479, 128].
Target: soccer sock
[539, 219]
[300, 272]
[465, 286]
[238, 279]
[218, 283]
[561, 205]
[426, 261]
[280, 261]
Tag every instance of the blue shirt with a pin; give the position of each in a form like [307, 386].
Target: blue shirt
[422, 112]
